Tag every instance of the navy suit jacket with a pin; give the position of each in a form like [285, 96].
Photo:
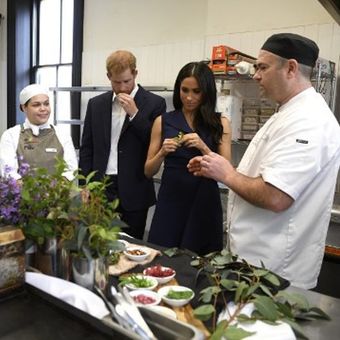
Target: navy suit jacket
[136, 192]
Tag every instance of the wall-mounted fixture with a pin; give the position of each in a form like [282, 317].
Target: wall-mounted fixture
[333, 8]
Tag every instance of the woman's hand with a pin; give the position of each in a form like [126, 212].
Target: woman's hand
[193, 140]
[169, 145]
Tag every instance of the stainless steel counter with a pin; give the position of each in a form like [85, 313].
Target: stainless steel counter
[333, 234]
[321, 329]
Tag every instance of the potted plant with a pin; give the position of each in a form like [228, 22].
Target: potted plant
[91, 236]
[44, 205]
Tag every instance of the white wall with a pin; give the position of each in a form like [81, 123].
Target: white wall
[165, 34]
[3, 67]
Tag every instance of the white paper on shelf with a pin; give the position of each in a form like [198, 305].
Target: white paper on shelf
[69, 292]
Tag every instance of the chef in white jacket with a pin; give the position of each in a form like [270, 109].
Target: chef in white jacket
[282, 191]
[36, 141]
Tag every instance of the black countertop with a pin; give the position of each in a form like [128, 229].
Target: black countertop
[32, 317]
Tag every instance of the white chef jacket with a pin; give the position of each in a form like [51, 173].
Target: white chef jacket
[297, 151]
[9, 145]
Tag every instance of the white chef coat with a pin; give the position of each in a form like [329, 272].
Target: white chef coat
[297, 151]
[9, 145]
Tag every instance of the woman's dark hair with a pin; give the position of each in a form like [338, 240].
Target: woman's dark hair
[206, 114]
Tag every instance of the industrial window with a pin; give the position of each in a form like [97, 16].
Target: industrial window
[57, 46]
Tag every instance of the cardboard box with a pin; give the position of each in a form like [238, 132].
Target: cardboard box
[247, 135]
[224, 58]
[251, 119]
[222, 62]
[221, 52]
[219, 67]
[249, 127]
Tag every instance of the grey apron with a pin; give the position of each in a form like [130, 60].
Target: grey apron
[39, 151]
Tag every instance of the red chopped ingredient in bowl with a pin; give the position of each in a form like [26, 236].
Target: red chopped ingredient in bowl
[143, 299]
[159, 271]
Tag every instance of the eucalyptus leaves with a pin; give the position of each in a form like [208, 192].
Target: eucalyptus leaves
[233, 281]
[244, 284]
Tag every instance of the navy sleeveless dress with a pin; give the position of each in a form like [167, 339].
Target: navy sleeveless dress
[188, 211]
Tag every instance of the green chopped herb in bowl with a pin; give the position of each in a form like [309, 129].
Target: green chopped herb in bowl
[138, 281]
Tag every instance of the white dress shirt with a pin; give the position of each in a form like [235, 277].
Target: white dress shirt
[118, 118]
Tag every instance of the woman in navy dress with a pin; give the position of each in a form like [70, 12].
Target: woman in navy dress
[188, 212]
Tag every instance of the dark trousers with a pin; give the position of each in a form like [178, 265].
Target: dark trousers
[135, 219]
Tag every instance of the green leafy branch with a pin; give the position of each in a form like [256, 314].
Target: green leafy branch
[95, 222]
[234, 279]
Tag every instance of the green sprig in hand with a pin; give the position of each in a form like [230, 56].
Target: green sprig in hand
[179, 137]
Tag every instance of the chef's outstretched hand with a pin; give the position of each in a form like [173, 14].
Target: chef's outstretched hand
[212, 166]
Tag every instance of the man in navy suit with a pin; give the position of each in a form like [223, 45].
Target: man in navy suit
[116, 138]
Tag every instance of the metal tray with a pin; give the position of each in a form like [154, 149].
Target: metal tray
[163, 327]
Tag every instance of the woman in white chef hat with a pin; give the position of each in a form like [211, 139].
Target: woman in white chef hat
[36, 141]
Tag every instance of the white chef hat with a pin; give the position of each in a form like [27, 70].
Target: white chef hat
[30, 91]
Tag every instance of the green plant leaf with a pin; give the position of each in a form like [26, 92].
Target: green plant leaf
[229, 284]
[296, 328]
[266, 290]
[90, 176]
[266, 307]
[245, 318]
[296, 300]
[236, 333]
[204, 312]
[219, 260]
[260, 272]
[219, 331]
[285, 310]
[241, 291]
[208, 293]
[272, 279]
[252, 289]
[320, 313]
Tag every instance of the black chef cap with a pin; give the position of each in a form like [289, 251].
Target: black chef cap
[293, 46]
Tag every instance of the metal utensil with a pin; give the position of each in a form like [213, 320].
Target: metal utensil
[111, 308]
[129, 311]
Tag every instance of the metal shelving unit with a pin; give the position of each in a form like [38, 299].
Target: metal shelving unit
[80, 89]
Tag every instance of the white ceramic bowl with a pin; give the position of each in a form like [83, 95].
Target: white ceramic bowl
[152, 280]
[144, 297]
[126, 243]
[163, 292]
[164, 311]
[137, 254]
[152, 271]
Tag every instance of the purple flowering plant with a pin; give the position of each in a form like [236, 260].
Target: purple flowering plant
[10, 196]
